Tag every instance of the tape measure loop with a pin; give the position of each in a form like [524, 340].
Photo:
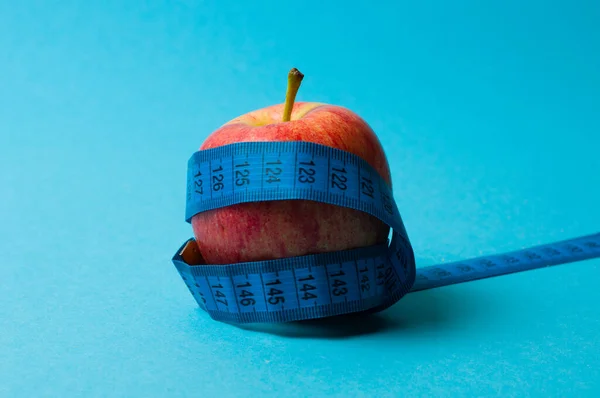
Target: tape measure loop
[312, 286]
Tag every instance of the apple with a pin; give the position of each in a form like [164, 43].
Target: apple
[276, 229]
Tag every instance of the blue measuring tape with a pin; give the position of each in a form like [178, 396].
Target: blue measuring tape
[567, 251]
[368, 279]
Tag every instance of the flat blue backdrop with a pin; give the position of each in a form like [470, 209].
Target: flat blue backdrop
[490, 117]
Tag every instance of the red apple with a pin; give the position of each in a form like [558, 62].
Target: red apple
[277, 229]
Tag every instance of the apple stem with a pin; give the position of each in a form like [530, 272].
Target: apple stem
[294, 80]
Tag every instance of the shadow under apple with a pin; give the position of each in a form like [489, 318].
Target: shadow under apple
[415, 314]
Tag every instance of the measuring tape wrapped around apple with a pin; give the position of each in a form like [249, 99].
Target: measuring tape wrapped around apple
[291, 208]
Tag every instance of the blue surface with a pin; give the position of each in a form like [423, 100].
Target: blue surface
[489, 116]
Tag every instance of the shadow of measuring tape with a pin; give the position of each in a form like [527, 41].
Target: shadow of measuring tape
[425, 313]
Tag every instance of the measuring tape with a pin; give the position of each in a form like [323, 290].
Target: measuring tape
[567, 251]
[368, 279]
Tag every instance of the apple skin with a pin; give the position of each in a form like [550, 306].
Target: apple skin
[269, 230]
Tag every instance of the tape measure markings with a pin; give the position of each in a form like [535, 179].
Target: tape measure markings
[277, 171]
[307, 286]
[303, 283]
[566, 251]
[364, 279]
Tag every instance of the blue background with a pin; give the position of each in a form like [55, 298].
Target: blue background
[488, 112]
